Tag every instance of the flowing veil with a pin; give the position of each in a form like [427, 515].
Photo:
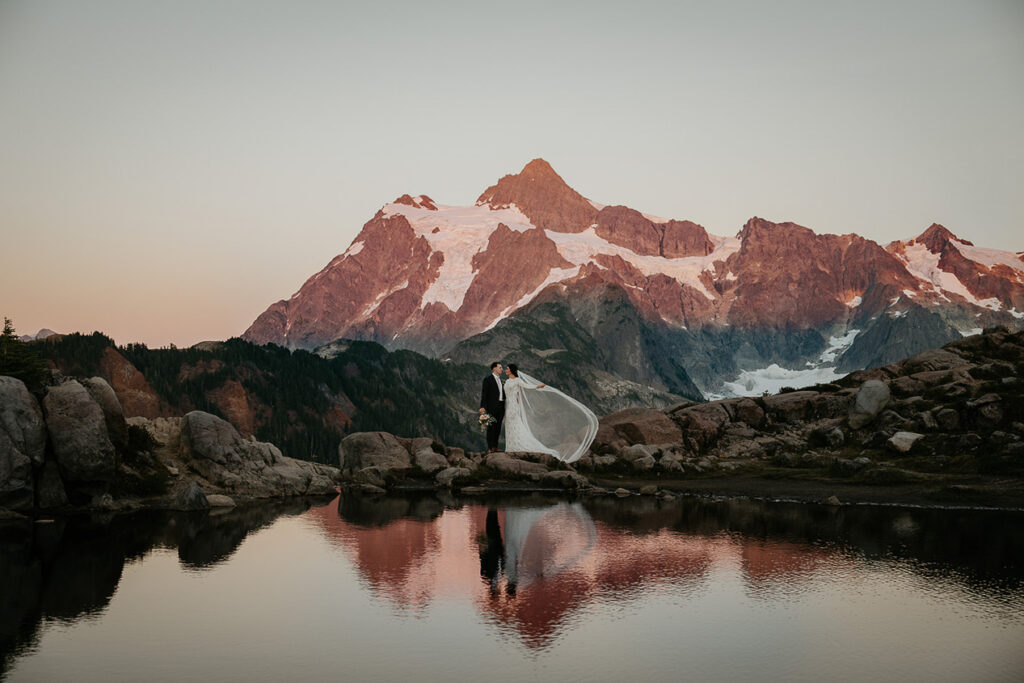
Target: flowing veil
[560, 423]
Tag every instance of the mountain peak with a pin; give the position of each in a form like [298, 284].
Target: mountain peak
[937, 237]
[543, 197]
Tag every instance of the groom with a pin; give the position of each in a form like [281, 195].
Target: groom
[492, 401]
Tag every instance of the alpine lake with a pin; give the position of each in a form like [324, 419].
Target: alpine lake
[526, 588]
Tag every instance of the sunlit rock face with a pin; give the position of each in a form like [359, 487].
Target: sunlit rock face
[428, 277]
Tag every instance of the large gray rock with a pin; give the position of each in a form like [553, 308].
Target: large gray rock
[871, 398]
[372, 449]
[21, 420]
[78, 431]
[113, 415]
[22, 443]
[429, 461]
[448, 476]
[216, 451]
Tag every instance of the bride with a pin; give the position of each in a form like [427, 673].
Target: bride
[541, 419]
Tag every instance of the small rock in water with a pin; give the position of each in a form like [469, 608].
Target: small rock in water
[217, 500]
[649, 490]
[832, 500]
[621, 492]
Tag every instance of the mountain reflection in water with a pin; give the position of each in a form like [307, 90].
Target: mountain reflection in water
[529, 566]
[385, 588]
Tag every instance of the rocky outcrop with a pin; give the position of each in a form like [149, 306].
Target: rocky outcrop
[229, 463]
[77, 429]
[22, 443]
[77, 450]
[893, 424]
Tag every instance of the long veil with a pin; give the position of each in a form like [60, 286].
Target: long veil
[560, 423]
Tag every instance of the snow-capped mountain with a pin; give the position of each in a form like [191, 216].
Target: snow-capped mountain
[429, 277]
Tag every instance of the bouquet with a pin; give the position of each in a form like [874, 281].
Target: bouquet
[486, 420]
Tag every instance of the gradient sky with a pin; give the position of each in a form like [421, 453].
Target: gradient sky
[169, 169]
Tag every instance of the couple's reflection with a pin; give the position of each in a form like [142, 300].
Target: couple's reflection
[537, 543]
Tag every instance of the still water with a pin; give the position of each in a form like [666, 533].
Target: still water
[428, 588]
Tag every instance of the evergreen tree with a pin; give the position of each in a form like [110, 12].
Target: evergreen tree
[18, 359]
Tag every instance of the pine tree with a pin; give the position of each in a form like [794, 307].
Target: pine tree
[19, 360]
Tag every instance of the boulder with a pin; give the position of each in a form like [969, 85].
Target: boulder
[113, 416]
[78, 431]
[217, 500]
[191, 497]
[370, 475]
[448, 476]
[948, 419]
[871, 398]
[902, 442]
[638, 451]
[702, 424]
[229, 463]
[931, 360]
[794, 406]
[644, 464]
[22, 443]
[746, 410]
[638, 425]
[367, 449]
[508, 465]
[21, 421]
[429, 461]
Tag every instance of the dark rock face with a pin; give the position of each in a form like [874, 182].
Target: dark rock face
[113, 416]
[889, 339]
[78, 432]
[22, 443]
[192, 497]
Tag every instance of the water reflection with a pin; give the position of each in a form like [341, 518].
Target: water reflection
[529, 567]
[69, 568]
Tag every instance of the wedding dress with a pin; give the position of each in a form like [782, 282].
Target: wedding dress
[544, 420]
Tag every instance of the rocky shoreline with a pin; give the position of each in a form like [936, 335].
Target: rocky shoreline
[74, 450]
[944, 428]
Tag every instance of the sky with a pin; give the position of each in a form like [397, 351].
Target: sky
[170, 169]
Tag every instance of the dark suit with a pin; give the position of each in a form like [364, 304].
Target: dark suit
[492, 401]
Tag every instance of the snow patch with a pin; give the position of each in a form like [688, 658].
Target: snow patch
[971, 332]
[584, 247]
[355, 248]
[990, 257]
[854, 302]
[461, 232]
[555, 275]
[837, 344]
[773, 378]
[924, 265]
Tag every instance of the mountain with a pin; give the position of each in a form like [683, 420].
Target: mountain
[41, 334]
[533, 269]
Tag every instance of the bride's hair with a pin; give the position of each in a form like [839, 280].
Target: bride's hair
[514, 369]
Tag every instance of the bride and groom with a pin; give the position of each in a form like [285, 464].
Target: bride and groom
[537, 418]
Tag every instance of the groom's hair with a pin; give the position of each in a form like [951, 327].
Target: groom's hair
[514, 369]
[495, 364]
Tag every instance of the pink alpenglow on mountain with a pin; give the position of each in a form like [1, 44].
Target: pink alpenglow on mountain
[425, 276]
